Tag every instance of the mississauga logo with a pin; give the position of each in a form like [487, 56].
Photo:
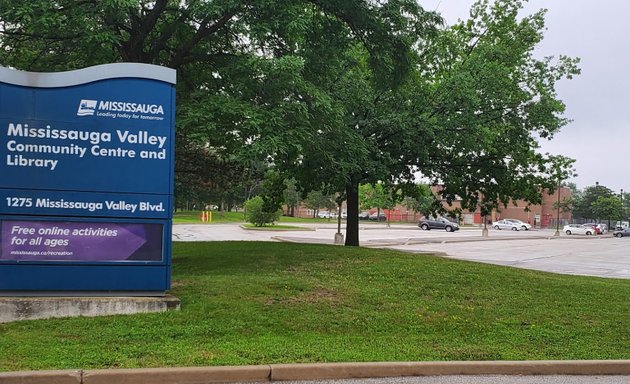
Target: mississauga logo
[87, 108]
[91, 107]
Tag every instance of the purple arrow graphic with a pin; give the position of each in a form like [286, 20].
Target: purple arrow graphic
[80, 241]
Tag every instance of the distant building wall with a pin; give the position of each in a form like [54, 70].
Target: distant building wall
[540, 215]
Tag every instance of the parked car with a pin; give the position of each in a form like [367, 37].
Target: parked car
[599, 228]
[427, 223]
[622, 232]
[522, 224]
[578, 229]
[365, 215]
[380, 217]
[324, 215]
[505, 224]
[344, 214]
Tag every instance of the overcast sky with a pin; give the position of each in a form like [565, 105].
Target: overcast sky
[598, 100]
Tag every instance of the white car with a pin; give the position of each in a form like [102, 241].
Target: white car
[523, 225]
[324, 215]
[505, 224]
[578, 229]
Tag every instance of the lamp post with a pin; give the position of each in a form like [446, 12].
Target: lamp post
[558, 212]
[623, 211]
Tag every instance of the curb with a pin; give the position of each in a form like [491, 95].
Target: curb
[271, 229]
[409, 241]
[436, 240]
[196, 375]
[41, 377]
[302, 240]
[325, 371]
[475, 239]
[367, 370]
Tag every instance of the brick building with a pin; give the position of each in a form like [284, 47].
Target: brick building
[539, 215]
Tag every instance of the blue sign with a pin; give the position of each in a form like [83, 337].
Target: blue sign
[92, 148]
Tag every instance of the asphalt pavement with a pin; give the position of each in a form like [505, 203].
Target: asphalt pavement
[537, 249]
[498, 379]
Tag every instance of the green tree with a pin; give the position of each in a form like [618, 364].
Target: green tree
[291, 197]
[625, 205]
[468, 117]
[257, 214]
[607, 208]
[47, 36]
[244, 93]
[272, 192]
[339, 93]
[267, 206]
[584, 203]
[375, 196]
[566, 204]
[317, 199]
[420, 200]
[493, 99]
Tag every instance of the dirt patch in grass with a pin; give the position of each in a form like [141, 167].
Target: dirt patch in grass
[317, 295]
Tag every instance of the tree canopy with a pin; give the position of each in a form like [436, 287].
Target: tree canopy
[333, 93]
[583, 202]
[243, 96]
[468, 116]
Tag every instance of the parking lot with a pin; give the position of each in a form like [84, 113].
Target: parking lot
[603, 256]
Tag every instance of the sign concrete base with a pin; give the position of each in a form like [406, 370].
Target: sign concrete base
[30, 308]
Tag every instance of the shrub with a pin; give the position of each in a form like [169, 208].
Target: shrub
[256, 214]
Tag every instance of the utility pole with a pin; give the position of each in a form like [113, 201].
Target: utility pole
[623, 211]
[558, 212]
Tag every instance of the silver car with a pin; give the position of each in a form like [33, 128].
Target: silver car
[622, 232]
[524, 225]
[578, 229]
[506, 224]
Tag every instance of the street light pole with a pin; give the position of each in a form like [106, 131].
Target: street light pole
[623, 211]
[558, 213]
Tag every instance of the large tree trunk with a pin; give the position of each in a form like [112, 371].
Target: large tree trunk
[352, 222]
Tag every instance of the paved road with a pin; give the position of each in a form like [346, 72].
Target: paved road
[480, 380]
[603, 256]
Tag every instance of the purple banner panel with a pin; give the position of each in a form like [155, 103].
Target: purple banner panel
[80, 241]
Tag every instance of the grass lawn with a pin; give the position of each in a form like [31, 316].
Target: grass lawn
[193, 217]
[262, 303]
